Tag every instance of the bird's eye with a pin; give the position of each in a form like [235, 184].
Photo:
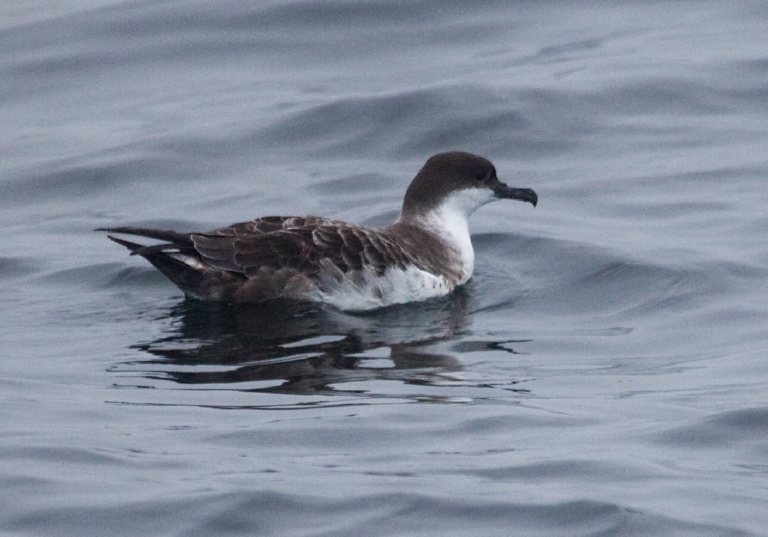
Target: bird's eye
[484, 178]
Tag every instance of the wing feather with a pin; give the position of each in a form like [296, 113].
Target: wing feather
[306, 244]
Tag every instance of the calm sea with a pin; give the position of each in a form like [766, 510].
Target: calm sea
[604, 373]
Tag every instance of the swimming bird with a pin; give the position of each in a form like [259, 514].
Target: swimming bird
[427, 252]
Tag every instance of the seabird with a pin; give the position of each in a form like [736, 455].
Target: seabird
[426, 253]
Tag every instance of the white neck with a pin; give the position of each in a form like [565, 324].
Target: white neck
[450, 220]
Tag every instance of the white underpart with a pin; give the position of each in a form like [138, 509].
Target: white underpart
[395, 286]
[451, 221]
[188, 260]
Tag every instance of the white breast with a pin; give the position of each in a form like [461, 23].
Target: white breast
[451, 221]
[365, 290]
[395, 286]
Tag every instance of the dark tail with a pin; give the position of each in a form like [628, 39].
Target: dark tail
[176, 258]
[173, 239]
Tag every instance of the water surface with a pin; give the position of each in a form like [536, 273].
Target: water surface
[604, 372]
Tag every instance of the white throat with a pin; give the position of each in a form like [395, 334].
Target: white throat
[450, 220]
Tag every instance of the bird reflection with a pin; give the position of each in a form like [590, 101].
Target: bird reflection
[304, 348]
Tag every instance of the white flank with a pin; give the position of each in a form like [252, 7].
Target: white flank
[394, 287]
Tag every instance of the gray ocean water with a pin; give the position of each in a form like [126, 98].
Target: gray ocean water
[604, 373]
